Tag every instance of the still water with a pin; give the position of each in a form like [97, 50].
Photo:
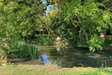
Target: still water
[71, 57]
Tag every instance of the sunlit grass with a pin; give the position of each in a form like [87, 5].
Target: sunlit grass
[51, 70]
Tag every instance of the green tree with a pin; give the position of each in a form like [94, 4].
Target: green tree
[78, 21]
[20, 20]
[81, 22]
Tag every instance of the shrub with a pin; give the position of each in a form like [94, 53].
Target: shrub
[19, 50]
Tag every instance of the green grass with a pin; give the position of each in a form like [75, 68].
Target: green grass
[51, 70]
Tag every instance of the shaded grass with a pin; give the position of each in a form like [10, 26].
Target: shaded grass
[51, 70]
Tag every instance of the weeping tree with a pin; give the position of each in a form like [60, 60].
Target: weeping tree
[81, 22]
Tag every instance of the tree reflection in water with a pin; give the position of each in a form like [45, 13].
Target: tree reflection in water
[71, 57]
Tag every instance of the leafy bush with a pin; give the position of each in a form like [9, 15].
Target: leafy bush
[96, 43]
[45, 39]
[20, 50]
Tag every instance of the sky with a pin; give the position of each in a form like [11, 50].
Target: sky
[49, 7]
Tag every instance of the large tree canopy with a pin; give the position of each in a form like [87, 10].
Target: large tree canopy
[21, 17]
[82, 22]
[78, 21]
[20, 20]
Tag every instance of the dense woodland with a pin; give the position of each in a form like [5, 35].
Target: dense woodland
[79, 22]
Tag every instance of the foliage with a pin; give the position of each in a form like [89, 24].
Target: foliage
[21, 17]
[82, 22]
[78, 21]
[95, 43]
[19, 21]
[45, 39]
[20, 50]
[32, 51]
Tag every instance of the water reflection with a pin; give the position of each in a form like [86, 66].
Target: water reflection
[75, 57]
[44, 59]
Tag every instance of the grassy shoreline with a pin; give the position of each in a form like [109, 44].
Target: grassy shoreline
[51, 70]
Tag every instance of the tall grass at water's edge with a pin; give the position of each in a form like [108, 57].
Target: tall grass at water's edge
[32, 51]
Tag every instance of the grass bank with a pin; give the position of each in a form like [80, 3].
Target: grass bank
[51, 70]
